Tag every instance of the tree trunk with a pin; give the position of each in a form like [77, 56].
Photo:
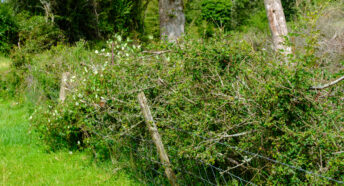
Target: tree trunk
[278, 24]
[172, 19]
[48, 12]
[95, 7]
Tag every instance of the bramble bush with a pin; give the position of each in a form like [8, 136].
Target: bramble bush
[212, 88]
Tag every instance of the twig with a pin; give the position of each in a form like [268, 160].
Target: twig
[328, 84]
[340, 152]
[235, 135]
[157, 52]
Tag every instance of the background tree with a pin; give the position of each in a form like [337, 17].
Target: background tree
[8, 28]
[172, 19]
[278, 24]
[90, 20]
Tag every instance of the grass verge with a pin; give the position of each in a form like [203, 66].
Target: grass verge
[24, 161]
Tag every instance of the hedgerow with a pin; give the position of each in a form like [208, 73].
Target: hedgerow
[209, 98]
[213, 88]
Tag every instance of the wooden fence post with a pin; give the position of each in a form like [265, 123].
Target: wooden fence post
[156, 138]
[63, 87]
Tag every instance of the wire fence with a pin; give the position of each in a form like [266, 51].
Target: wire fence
[192, 171]
[203, 173]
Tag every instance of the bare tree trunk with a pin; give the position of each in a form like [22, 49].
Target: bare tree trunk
[172, 19]
[95, 7]
[278, 24]
[48, 12]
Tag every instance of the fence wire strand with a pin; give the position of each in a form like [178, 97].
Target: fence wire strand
[241, 150]
[262, 157]
[200, 177]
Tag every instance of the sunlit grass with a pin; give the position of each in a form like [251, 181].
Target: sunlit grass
[4, 63]
[23, 160]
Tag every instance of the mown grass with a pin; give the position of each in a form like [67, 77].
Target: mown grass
[24, 160]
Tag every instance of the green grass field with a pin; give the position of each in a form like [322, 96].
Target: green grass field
[24, 161]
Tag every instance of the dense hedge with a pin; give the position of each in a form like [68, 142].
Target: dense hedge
[212, 88]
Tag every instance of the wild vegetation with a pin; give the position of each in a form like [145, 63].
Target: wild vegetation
[220, 95]
[25, 160]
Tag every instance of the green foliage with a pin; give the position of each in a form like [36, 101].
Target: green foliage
[33, 6]
[123, 16]
[91, 20]
[151, 21]
[290, 9]
[217, 12]
[212, 88]
[8, 28]
[35, 35]
[228, 15]
[257, 21]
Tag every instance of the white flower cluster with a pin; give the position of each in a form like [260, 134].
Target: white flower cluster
[119, 47]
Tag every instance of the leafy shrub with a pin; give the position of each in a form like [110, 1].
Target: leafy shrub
[217, 12]
[36, 34]
[289, 7]
[211, 88]
[229, 15]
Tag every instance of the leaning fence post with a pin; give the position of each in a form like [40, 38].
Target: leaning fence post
[156, 138]
[63, 87]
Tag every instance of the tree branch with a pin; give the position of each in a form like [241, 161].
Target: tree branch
[328, 84]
